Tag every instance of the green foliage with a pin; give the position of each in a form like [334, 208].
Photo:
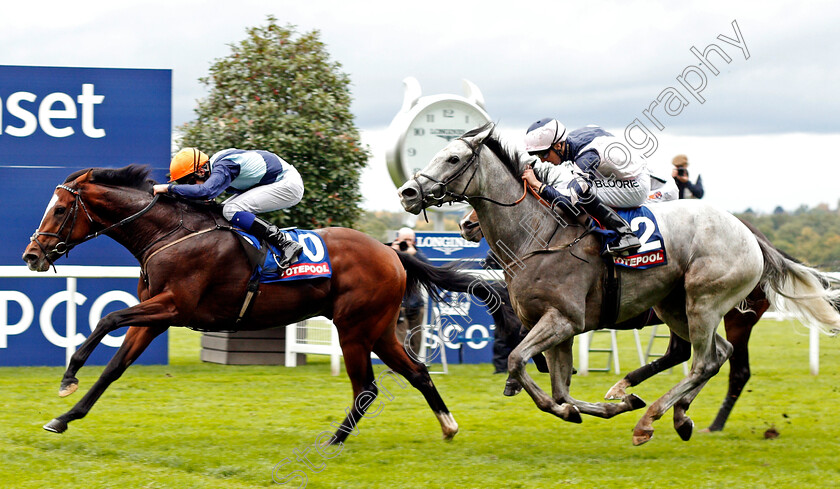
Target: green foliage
[279, 91]
[811, 235]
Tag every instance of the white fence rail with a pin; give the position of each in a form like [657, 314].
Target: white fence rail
[317, 336]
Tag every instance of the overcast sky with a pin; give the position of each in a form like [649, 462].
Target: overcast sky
[765, 123]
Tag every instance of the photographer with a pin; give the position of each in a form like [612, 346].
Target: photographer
[687, 189]
[413, 307]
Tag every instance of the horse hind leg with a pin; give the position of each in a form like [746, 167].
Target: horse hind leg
[359, 369]
[706, 364]
[682, 423]
[739, 327]
[678, 352]
[394, 355]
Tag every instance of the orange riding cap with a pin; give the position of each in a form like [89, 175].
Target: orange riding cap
[186, 162]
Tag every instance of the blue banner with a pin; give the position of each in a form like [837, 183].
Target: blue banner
[464, 325]
[53, 122]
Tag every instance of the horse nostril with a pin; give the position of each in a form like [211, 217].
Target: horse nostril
[29, 257]
[409, 193]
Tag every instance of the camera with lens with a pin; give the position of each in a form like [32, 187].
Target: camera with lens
[403, 246]
[683, 172]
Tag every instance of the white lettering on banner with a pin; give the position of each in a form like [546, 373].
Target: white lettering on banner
[99, 305]
[46, 320]
[47, 311]
[481, 339]
[27, 314]
[55, 106]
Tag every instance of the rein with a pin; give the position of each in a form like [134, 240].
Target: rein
[440, 189]
[64, 245]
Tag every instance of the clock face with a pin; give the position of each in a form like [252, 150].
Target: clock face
[433, 128]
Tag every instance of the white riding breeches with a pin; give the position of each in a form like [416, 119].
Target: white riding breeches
[266, 198]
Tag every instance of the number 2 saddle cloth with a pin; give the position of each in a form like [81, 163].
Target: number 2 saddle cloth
[644, 226]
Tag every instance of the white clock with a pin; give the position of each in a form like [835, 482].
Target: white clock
[425, 125]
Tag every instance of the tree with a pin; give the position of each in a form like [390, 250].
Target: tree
[279, 91]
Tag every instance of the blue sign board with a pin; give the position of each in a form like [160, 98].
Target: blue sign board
[463, 323]
[53, 122]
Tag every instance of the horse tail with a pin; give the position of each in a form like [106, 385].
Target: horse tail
[435, 280]
[800, 291]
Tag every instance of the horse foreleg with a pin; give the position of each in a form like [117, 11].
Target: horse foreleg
[549, 331]
[679, 350]
[154, 311]
[394, 355]
[135, 342]
[560, 359]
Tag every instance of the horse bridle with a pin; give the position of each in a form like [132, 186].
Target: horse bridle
[64, 245]
[440, 189]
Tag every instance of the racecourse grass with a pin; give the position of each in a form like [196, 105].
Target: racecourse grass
[199, 425]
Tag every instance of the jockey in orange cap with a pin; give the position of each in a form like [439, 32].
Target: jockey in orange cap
[262, 182]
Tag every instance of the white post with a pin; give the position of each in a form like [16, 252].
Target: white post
[70, 320]
[815, 351]
[335, 351]
[639, 348]
[614, 341]
[291, 340]
[583, 353]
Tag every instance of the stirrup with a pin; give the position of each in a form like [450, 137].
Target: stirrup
[630, 246]
[290, 250]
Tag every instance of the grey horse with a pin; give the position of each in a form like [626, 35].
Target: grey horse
[555, 275]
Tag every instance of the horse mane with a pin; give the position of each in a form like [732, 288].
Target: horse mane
[512, 159]
[133, 176]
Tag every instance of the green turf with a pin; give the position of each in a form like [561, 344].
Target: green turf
[199, 425]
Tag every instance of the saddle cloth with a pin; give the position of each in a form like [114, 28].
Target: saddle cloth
[643, 223]
[313, 262]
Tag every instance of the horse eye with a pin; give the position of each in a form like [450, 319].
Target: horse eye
[453, 159]
[60, 210]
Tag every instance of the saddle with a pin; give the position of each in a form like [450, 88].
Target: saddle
[313, 262]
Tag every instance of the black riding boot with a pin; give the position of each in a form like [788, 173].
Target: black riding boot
[272, 234]
[627, 241]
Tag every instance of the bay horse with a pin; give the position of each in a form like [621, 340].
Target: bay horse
[738, 323]
[555, 275]
[194, 273]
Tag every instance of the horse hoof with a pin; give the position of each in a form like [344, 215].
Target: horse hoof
[635, 402]
[56, 426]
[685, 429]
[617, 392]
[572, 414]
[640, 437]
[512, 387]
[66, 390]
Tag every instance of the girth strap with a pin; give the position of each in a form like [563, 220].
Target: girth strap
[611, 299]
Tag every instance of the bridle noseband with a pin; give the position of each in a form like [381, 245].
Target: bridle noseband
[64, 245]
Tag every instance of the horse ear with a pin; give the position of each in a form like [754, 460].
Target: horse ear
[483, 132]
